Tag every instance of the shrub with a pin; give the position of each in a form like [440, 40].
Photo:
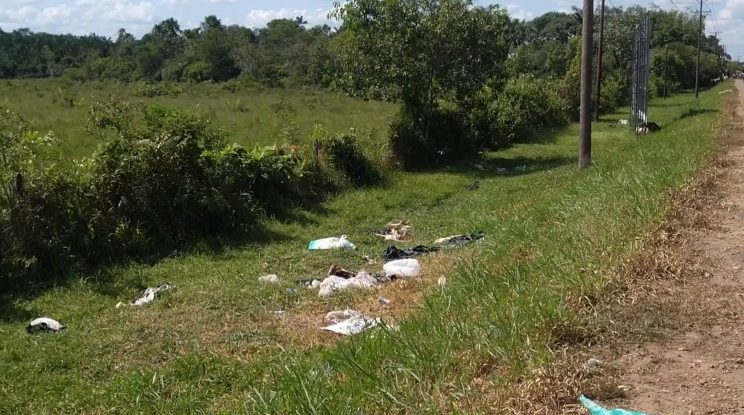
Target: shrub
[344, 154]
[164, 177]
[416, 144]
[514, 114]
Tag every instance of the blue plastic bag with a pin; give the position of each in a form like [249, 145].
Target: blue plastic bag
[595, 409]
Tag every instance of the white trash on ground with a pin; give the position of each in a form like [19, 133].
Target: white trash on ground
[335, 283]
[269, 279]
[44, 324]
[403, 268]
[348, 322]
[148, 295]
[331, 243]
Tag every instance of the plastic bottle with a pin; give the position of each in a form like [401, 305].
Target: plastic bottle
[331, 243]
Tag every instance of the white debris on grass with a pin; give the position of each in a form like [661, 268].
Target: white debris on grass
[148, 295]
[44, 324]
[348, 322]
[269, 279]
[335, 283]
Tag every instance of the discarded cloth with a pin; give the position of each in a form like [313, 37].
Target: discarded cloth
[459, 240]
[269, 279]
[349, 322]
[331, 243]
[148, 295]
[395, 231]
[403, 268]
[392, 252]
[335, 283]
[595, 409]
[44, 324]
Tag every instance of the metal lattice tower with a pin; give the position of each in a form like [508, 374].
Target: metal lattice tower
[640, 90]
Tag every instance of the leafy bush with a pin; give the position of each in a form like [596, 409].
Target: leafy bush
[514, 114]
[612, 94]
[446, 138]
[164, 177]
[343, 154]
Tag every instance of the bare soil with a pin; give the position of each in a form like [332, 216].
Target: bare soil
[690, 360]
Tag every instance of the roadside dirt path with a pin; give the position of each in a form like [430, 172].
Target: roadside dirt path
[698, 367]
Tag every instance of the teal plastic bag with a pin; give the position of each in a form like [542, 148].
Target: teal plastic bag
[595, 409]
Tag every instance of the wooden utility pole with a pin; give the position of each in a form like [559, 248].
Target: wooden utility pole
[700, 39]
[666, 63]
[585, 118]
[599, 60]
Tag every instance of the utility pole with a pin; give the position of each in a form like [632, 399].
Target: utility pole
[666, 63]
[585, 120]
[599, 60]
[697, 65]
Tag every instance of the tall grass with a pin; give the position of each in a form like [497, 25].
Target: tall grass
[214, 344]
[253, 117]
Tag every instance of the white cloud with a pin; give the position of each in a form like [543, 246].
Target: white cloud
[21, 14]
[730, 9]
[221, 1]
[517, 12]
[259, 18]
[54, 14]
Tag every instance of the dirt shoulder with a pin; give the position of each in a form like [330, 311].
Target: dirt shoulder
[678, 346]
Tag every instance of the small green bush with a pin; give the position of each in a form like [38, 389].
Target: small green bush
[514, 114]
[344, 154]
[445, 138]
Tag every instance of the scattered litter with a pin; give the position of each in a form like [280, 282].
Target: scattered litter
[383, 301]
[44, 324]
[728, 91]
[459, 240]
[331, 243]
[269, 279]
[595, 409]
[593, 366]
[442, 281]
[392, 252]
[622, 122]
[291, 291]
[474, 186]
[315, 284]
[404, 268]
[148, 295]
[479, 167]
[339, 272]
[335, 283]
[648, 127]
[349, 322]
[395, 231]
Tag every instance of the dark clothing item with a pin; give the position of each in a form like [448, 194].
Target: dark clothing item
[392, 252]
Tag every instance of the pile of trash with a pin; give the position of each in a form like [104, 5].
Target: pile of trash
[395, 231]
[398, 264]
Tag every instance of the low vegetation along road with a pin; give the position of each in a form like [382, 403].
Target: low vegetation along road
[497, 326]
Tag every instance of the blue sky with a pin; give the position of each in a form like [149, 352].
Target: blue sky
[105, 17]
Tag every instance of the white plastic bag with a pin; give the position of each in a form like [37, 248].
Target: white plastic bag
[44, 324]
[349, 322]
[331, 243]
[404, 268]
[335, 283]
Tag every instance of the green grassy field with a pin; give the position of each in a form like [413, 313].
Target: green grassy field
[251, 116]
[215, 344]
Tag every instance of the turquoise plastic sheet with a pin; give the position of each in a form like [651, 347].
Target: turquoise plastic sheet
[595, 409]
